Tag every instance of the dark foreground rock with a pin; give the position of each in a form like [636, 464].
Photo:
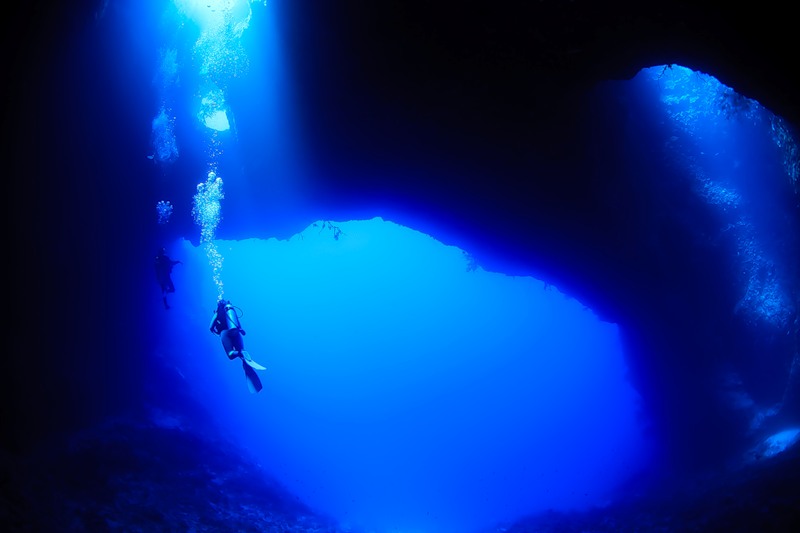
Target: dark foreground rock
[758, 496]
[160, 476]
[143, 477]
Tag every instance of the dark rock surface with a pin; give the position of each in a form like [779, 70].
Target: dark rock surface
[162, 473]
[134, 475]
[758, 497]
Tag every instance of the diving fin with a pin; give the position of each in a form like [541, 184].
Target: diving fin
[253, 381]
[249, 360]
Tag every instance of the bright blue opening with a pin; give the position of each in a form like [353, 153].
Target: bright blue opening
[406, 390]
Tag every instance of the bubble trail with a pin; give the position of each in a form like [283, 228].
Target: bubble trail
[207, 213]
[164, 209]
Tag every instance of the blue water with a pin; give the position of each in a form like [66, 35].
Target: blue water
[407, 388]
[405, 392]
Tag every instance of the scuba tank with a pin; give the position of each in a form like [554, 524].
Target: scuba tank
[231, 318]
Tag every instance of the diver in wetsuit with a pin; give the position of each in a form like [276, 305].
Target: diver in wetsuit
[225, 323]
[163, 265]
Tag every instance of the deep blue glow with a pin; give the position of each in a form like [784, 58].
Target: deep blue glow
[405, 391]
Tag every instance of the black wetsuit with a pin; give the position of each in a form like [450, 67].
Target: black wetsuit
[163, 266]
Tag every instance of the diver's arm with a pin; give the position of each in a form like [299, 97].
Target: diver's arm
[213, 322]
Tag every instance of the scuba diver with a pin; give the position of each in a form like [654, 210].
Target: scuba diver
[225, 323]
[163, 266]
